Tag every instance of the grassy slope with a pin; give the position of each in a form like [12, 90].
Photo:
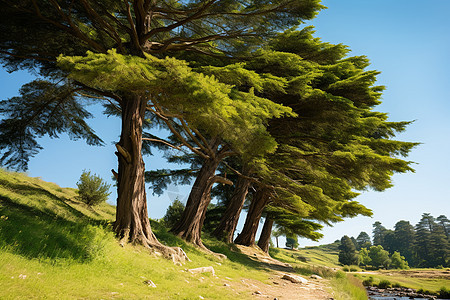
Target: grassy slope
[53, 246]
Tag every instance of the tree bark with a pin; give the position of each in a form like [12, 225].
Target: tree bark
[190, 225]
[248, 233]
[227, 226]
[264, 238]
[132, 222]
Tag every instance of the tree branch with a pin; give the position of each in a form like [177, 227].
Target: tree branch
[192, 17]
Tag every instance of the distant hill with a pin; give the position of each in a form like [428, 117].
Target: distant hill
[323, 255]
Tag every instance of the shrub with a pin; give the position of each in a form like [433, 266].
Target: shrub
[173, 213]
[92, 190]
[368, 281]
[346, 269]
[384, 284]
[353, 269]
[444, 293]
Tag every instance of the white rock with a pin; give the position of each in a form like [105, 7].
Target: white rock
[203, 270]
[294, 278]
[150, 283]
[314, 276]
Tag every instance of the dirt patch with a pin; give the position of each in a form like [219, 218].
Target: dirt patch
[438, 274]
[276, 287]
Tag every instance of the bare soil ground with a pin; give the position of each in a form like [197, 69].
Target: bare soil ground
[423, 273]
[276, 287]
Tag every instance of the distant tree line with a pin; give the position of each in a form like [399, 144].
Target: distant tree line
[424, 245]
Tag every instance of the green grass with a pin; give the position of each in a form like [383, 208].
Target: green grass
[324, 255]
[53, 246]
[346, 286]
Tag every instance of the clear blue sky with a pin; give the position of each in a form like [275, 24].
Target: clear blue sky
[408, 41]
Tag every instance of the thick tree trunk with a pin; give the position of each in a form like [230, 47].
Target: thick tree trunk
[264, 238]
[248, 233]
[227, 226]
[190, 225]
[132, 222]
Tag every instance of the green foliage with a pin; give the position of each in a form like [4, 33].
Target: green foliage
[292, 241]
[364, 258]
[444, 293]
[368, 282]
[383, 284]
[363, 240]
[92, 190]
[379, 257]
[398, 261]
[173, 213]
[202, 101]
[43, 108]
[347, 252]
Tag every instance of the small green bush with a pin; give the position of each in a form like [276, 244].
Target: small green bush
[444, 293]
[346, 269]
[92, 190]
[384, 284]
[368, 281]
[353, 269]
[173, 213]
[340, 275]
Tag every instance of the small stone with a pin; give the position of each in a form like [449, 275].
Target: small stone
[314, 276]
[226, 284]
[114, 293]
[22, 276]
[257, 293]
[276, 282]
[201, 297]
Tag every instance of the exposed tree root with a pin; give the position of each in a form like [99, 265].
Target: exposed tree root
[176, 254]
[206, 250]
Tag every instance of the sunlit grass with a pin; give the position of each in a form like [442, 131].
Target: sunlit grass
[53, 246]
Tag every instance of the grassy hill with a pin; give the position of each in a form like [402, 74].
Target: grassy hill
[54, 246]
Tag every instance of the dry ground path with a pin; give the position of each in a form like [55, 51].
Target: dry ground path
[276, 287]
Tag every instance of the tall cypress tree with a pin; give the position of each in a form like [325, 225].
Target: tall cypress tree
[378, 233]
[405, 239]
[347, 252]
[423, 245]
[35, 33]
[363, 240]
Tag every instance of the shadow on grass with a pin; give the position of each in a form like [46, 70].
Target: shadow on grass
[36, 233]
[31, 190]
[230, 250]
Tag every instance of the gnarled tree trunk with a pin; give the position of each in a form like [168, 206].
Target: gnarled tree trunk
[191, 222]
[227, 226]
[264, 238]
[248, 233]
[132, 222]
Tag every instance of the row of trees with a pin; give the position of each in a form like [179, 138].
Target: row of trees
[372, 256]
[288, 117]
[427, 244]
